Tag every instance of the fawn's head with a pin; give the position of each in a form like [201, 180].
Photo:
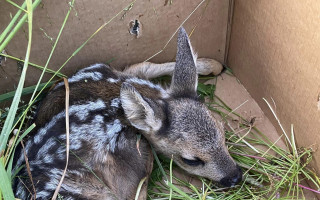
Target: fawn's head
[181, 126]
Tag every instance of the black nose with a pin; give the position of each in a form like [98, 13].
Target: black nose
[233, 179]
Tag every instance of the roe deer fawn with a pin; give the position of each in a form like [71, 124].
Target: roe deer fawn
[108, 109]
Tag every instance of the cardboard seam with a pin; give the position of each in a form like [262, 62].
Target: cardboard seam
[228, 35]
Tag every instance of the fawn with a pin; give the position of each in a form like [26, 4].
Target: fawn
[108, 109]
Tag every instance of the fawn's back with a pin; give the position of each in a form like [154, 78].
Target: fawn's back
[99, 133]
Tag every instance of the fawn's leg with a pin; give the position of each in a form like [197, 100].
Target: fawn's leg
[150, 70]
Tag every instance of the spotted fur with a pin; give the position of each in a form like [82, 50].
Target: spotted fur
[108, 110]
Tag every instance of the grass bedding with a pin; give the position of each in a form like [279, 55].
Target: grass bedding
[269, 172]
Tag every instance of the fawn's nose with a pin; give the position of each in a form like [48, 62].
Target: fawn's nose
[233, 179]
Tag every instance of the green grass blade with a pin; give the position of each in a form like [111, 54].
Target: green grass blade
[26, 132]
[16, 5]
[159, 163]
[34, 65]
[74, 53]
[14, 106]
[170, 197]
[52, 50]
[13, 148]
[176, 189]
[18, 26]
[25, 91]
[12, 22]
[5, 182]
[16, 172]
[139, 188]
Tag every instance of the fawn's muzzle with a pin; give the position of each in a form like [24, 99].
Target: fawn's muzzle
[232, 179]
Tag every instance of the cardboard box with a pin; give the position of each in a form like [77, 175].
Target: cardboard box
[274, 51]
[159, 20]
[273, 47]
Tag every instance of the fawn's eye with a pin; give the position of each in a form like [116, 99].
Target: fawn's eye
[194, 162]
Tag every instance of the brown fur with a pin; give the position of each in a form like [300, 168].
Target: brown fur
[102, 89]
[109, 110]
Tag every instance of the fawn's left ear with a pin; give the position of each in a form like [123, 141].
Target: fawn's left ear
[137, 110]
[185, 79]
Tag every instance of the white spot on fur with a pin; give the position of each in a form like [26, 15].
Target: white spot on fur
[21, 158]
[95, 76]
[143, 82]
[28, 146]
[82, 111]
[52, 184]
[115, 102]
[112, 131]
[94, 66]
[43, 194]
[76, 145]
[164, 93]
[61, 152]
[48, 159]
[54, 178]
[103, 136]
[43, 151]
[21, 191]
[74, 109]
[75, 172]
[39, 136]
[71, 189]
[54, 175]
[112, 80]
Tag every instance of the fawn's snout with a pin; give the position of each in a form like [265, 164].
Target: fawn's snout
[232, 179]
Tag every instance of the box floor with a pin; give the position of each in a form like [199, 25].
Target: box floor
[230, 90]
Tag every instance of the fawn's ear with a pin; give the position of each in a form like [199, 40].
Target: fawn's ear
[185, 79]
[138, 110]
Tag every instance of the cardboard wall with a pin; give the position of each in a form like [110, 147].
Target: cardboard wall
[159, 21]
[275, 52]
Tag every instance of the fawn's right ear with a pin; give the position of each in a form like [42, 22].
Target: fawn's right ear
[137, 109]
[185, 79]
